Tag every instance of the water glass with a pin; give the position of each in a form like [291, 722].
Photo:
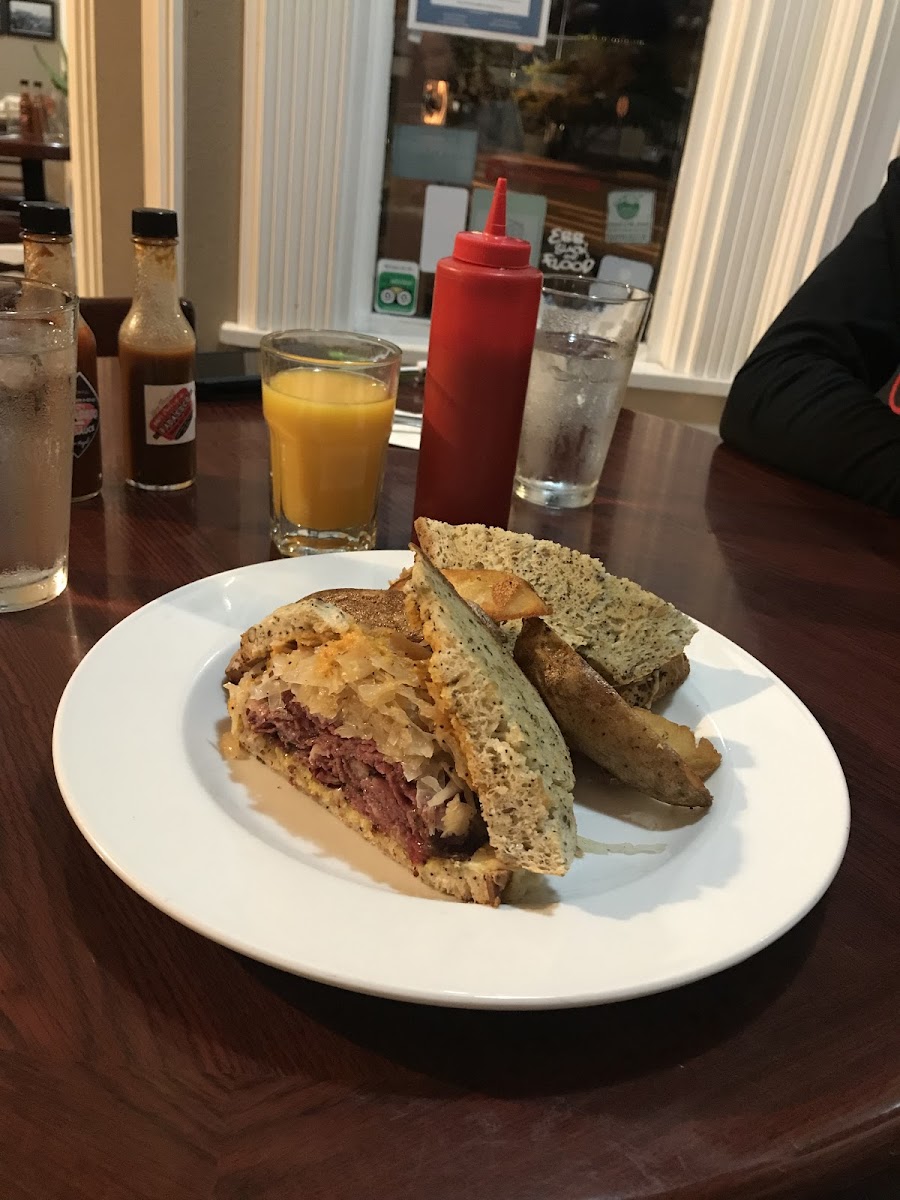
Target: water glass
[587, 337]
[328, 400]
[37, 422]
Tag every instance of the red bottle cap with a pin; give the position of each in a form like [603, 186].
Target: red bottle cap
[493, 248]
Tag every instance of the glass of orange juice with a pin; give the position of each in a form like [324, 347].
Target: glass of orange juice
[328, 400]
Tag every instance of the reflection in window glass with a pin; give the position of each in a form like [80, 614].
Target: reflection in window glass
[588, 130]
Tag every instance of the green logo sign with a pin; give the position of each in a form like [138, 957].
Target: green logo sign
[395, 290]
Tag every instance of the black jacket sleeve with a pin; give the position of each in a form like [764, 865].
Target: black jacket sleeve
[805, 399]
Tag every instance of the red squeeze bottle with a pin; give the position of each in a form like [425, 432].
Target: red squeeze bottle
[483, 318]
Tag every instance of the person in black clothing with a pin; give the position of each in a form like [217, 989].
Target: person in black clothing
[805, 400]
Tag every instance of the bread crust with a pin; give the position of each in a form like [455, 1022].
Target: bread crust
[515, 755]
[331, 612]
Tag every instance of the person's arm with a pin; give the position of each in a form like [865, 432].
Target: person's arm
[805, 399]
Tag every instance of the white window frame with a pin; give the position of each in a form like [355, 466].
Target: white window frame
[793, 123]
[78, 30]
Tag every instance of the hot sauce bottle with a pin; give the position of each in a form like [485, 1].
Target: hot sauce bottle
[483, 320]
[26, 110]
[157, 353]
[47, 238]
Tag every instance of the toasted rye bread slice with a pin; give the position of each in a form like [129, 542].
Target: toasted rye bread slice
[321, 614]
[481, 878]
[644, 692]
[515, 755]
[597, 721]
[623, 631]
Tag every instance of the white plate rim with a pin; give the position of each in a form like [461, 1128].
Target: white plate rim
[361, 980]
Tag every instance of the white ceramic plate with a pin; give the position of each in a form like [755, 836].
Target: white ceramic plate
[235, 853]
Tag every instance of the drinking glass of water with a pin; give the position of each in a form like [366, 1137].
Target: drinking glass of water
[587, 337]
[37, 422]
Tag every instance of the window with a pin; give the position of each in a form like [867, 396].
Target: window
[793, 118]
[587, 129]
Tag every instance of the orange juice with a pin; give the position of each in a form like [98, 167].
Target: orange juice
[328, 432]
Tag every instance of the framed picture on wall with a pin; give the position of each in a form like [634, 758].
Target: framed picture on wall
[29, 19]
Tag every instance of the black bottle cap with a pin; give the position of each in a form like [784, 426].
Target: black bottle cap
[154, 223]
[36, 216]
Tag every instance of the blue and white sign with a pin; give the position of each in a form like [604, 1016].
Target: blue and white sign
[499, 20]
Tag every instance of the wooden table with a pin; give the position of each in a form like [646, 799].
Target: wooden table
[140, 1062]
[34, 153]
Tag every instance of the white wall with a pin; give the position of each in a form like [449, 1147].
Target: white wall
[212, 161]
[19, 61]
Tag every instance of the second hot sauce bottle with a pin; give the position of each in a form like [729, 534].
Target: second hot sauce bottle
[157, 358]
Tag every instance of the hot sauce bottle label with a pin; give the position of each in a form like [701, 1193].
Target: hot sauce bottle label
[87, 414]
[170, 413]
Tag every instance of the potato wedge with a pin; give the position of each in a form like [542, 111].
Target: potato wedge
[504, 597]
[699, 753]
[597, 721]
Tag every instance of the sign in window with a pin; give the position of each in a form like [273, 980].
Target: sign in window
[587, 128]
